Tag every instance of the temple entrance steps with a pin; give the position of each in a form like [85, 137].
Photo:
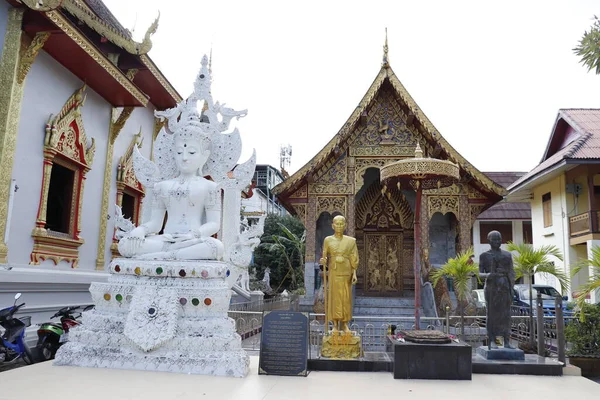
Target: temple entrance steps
[384, 306]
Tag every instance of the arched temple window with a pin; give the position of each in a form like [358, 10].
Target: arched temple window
[130, 191]
[67, 159]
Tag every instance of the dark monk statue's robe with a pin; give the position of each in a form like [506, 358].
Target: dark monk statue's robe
[498, 290]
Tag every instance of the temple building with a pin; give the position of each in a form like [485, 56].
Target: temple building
[78, 93]
[344, 178]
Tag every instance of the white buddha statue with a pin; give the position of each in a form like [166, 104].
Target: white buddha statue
[188, 148]
[192, 203]
[168, 296]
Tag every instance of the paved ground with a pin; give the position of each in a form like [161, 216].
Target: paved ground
[7, 367]
[34, 381]
[252, 353]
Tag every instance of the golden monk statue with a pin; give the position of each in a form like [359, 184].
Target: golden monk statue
[340, 256]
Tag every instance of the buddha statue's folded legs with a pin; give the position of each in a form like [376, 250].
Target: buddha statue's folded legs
[159, 247]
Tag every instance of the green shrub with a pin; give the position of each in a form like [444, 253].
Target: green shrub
[583, 334]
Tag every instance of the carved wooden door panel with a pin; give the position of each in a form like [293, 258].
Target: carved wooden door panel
[383, 265]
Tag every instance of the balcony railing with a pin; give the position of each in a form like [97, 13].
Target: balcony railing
[584, 223]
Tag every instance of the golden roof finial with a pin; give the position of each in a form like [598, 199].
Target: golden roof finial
[418, 151]
[385, 62]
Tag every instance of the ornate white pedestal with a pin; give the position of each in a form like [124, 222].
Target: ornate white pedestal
[160, 316]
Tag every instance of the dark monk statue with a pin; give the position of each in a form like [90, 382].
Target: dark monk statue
[496, 266]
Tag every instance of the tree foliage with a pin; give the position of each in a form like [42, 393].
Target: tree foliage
[461, 269]
[530, 261]
[589, 47]
[583, 334]
[282, 251]
[593, 283]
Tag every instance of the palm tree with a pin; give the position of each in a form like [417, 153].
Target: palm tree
[461, 269]
[292, 243]
[593, 283]
[530, 261]
[589, 47]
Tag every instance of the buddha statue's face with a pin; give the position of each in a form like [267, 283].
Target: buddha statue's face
[190, 155]
[339, 224]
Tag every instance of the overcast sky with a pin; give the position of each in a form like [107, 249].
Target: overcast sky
[490, 75]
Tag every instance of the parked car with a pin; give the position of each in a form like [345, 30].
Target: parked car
[549, 293]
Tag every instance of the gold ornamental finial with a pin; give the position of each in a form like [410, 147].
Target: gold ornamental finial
[146, 45]
[418, 151]
[385, 62]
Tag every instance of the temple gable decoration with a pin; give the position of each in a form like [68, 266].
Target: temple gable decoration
[67, 159]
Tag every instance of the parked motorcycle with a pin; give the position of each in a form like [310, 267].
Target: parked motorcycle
[52, 335]
[13, 345]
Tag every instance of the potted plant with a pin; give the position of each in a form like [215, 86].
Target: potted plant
[461, 269]
[583, 337]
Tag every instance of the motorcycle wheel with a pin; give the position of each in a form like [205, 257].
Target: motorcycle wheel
[46, 351]
[27, 356]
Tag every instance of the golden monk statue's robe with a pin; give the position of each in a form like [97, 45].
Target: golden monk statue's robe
[342, 261]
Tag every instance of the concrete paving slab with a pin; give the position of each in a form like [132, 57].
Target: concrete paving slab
[39, 380]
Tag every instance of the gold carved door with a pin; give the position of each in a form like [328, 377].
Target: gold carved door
[383, 265]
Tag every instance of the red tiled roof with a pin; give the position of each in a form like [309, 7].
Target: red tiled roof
[586, 146]
[507, 211]
[504, 210]
[504, 179]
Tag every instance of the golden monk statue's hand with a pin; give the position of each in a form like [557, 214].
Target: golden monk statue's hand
[354, 278]
[323, 261]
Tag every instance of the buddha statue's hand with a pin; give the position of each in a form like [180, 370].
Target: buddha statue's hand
[138, 233]
[185, 243]
[183, 240]
[182, 237]
[129, 246]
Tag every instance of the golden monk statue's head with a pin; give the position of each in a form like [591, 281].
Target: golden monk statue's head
[339, 224]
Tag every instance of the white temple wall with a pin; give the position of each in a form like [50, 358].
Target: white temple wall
[4, 7]
[140, 117]
[47, 87]
[96, 120]
[46, 287]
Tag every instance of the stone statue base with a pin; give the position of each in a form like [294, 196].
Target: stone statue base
[501, 353]
[341, 345]
[159, 316]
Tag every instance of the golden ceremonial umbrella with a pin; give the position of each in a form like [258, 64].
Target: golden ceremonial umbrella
[419, 173]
